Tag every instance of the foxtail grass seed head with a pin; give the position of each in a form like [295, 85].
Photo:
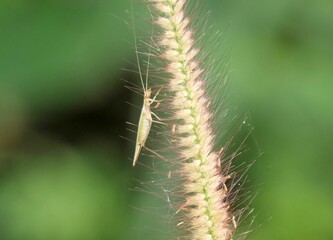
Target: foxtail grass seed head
[204, 213]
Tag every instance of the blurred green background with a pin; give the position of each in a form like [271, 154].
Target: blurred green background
[66, 174]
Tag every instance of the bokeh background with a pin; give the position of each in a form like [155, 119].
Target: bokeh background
[65, 172]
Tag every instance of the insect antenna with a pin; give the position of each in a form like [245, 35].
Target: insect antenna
[136, 49]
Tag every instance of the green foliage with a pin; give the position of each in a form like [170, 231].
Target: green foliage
[55, 54]
[62, 197]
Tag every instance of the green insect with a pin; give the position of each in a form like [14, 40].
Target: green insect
[145, 123]
[146, 120]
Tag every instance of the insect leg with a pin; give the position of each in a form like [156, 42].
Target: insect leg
[155, 153]
[153, 99]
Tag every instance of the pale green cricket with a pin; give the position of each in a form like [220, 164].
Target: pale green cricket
[146, 120]
[144, 125]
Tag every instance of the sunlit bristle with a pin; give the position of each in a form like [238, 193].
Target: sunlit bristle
[206, 213]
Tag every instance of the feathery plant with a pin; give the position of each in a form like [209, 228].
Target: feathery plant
[202, 198]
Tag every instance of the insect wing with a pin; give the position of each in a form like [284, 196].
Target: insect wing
[144, 126]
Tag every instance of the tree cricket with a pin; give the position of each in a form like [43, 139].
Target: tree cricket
[144, 125]
[146, 120]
